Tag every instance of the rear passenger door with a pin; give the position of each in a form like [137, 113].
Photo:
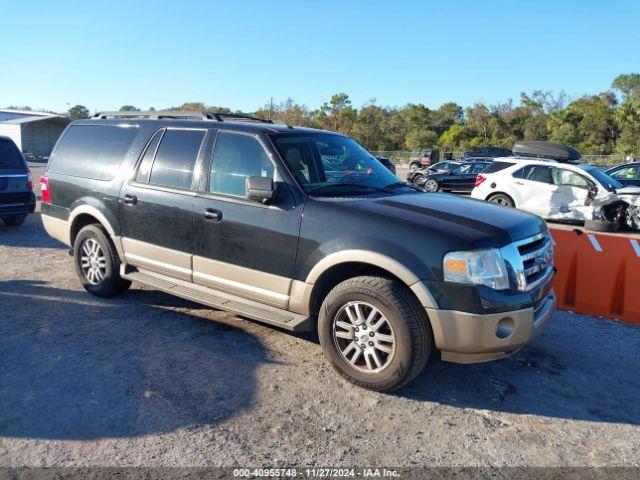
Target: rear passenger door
[242, 246]
[156, 204]
[533, 189]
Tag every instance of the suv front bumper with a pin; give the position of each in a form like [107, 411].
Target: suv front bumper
[471, 338]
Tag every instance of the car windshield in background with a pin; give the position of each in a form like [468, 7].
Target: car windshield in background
[608, 182]
[327, 164]
[9, 156]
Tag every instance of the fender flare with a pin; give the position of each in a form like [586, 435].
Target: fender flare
[94, 212]
[377, 259]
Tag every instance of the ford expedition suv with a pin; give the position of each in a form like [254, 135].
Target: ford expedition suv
[240, 215]
[17, 199]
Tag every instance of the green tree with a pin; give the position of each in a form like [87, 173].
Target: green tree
[129, 108]
[78, 112]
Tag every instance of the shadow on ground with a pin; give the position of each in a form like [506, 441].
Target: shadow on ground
[77, 367]
[580, 368]
[30, 234]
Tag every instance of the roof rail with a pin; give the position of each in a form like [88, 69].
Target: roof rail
[182, 114]
[186, 114]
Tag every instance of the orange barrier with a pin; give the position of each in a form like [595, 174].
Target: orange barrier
[598, 273]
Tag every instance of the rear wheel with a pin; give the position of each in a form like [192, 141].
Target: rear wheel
[97, 263]
[374, 332]
[502, 199]
[14, 220]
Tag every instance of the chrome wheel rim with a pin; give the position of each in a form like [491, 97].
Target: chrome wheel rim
[431, 186]
[364, 337]
[93, 263]
[501, 201]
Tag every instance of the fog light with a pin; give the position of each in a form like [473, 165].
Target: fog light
[505, 328]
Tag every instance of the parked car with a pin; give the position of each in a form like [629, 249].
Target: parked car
[388, 164]
[487, 152]
[460, 179]
[560, 191]
[17, 199]
[211, 209]
[626, 174]
[425, 158]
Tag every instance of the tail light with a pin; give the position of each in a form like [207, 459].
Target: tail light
[29, 178]
[44, 189]
[480, 179]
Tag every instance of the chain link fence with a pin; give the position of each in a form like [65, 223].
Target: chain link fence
[403, 157]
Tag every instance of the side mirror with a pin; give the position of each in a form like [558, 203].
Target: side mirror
[260, 189]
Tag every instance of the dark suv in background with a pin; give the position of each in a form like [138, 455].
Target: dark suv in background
[17, 199]
[298, 228]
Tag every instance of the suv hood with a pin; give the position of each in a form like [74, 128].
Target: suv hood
[480, 223]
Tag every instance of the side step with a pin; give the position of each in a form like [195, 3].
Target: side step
[221, 300]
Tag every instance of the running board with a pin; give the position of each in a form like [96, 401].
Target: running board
[221, 300]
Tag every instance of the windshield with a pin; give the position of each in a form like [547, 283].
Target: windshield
[605, 180]
[333, 164]
[9, 155]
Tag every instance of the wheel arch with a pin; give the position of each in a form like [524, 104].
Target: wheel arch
[346, 264]
[84, 215]
[493, 194]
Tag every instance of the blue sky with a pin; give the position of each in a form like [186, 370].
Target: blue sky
[235, 53]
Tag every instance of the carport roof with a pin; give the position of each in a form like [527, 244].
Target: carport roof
[56, 118]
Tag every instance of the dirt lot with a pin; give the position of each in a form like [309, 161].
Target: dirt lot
[148, 379]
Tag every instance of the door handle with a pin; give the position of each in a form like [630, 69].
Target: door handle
[518, 183]
[130, 199]
[212, 214]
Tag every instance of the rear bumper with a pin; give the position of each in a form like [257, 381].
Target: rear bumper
[471, 338]
[17, 208]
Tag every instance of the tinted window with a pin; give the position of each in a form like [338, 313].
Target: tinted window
[569, 178]
[236, 157]
[535, 173]
[147, 158]
[625, 173]
[497, 166]
[176, 158]
[92, 151]
[479, 167]
[9, 155]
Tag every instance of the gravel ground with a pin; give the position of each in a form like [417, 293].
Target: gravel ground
[150, 380]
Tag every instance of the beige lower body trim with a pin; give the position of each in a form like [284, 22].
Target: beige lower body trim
[253, 284]
[57, 228]
[300, 299]
[159, 259]
[470, 338]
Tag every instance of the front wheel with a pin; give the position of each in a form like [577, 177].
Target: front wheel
[97, 263]
[374, 332]
[502, 199]
[431, 185]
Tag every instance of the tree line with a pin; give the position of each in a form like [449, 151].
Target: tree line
[604, 123]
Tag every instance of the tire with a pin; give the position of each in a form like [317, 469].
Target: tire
[431, 185]
[502, 199]
[104, 279]
[399, 316]
[15, 220]
[602, 226]
[413, 166]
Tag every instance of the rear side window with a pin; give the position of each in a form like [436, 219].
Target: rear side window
[236, 157]
[92, 151]
[535, 173]
[479, 167]
[147, 158]
[9, 155]
[176, 158]
[497, 166]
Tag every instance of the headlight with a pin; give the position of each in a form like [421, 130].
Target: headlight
[477, 267]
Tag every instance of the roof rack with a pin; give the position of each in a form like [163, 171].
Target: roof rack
[182, 114]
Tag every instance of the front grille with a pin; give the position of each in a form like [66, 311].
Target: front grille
[531, 261]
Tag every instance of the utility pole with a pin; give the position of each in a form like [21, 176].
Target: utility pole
[270, 108]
